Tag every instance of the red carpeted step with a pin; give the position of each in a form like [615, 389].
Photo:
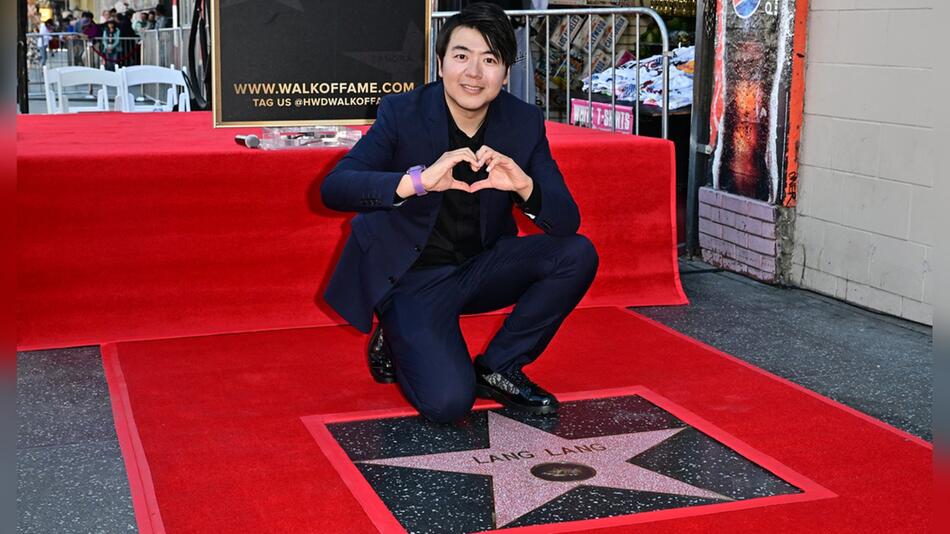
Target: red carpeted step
[212, 433]
[161, 226]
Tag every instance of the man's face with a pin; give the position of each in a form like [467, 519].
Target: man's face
[471, 74]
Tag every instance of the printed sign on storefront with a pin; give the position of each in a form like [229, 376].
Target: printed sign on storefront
[288, 62]
[602, 114]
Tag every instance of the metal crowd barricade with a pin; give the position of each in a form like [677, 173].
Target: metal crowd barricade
[165, 47]
[60, 49]
[70, 49]
[438, 19]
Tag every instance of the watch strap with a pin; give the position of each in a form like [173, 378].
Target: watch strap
[415, 174]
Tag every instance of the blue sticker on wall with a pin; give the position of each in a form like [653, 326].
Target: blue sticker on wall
[746, 8]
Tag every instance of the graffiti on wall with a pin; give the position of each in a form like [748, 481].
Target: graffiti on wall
[752, 91]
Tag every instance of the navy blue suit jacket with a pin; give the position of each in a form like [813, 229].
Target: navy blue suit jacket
[412, 129]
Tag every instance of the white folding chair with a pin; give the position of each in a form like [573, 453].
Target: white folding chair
[88, 76]
[140, 75]
[51, 86]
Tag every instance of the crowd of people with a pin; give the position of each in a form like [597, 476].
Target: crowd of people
[115, 37]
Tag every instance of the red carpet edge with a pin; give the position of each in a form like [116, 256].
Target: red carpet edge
[677, 281]
[144, 503]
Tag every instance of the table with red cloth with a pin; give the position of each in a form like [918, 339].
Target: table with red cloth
[155, 225]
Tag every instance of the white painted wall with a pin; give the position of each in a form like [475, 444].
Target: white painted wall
[864, 229]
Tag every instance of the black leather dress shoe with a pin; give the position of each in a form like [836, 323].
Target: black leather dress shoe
[513, 389]
[380, 358]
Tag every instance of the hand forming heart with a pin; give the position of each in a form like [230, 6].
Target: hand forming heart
[503, 173]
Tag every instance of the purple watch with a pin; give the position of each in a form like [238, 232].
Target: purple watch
[415, 173]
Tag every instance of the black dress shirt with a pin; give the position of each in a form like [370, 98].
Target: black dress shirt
[457, 235]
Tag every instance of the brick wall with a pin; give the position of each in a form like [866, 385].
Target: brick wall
[864, 230]
[741, 234]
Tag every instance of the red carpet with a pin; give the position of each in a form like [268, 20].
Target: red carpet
[144, 226]
[217, 419]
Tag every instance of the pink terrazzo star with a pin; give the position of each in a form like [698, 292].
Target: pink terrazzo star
[519, 456]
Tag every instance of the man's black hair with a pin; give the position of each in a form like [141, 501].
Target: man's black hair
[490, 20]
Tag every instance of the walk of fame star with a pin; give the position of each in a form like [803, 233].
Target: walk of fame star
[530, 467]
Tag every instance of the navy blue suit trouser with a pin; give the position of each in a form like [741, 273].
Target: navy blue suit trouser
[543, 276]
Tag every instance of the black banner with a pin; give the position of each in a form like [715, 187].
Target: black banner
[299, 62]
